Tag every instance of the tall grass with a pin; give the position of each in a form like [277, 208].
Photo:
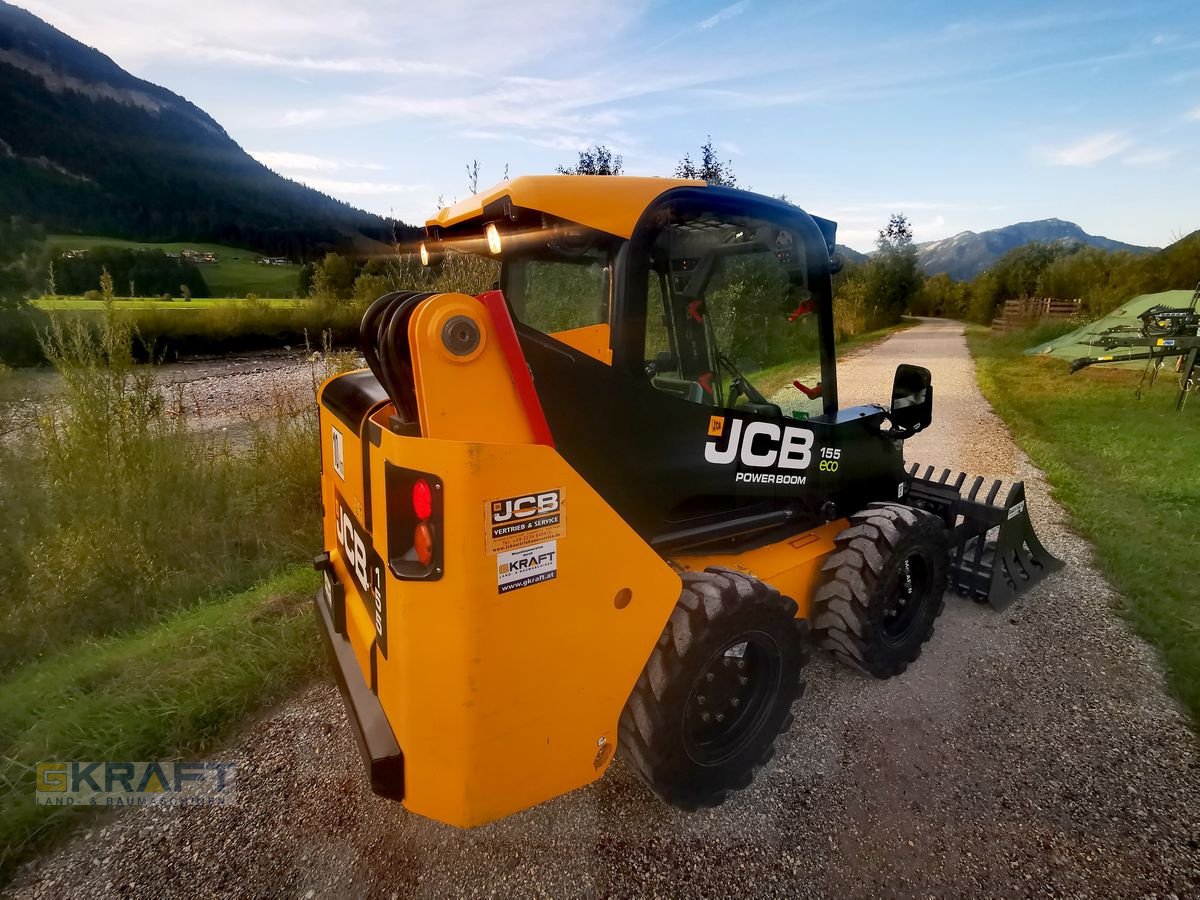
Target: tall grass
[115, 512]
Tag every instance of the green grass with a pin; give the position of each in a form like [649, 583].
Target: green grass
[74, 304]
[236, 275]
[168, 691]
[1128, 473]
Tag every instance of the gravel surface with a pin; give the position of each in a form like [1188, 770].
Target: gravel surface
[225, 393]
[1034, 752]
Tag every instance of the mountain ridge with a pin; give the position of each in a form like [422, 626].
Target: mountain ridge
[143, 162]
[966, 254]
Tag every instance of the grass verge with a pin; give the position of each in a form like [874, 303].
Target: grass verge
[172, 689]
[1128, 473]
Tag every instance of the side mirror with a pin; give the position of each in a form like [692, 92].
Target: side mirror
[912, 399]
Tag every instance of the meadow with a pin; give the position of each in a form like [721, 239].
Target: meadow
[235, 275]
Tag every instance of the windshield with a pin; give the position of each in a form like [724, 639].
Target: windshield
[731, 320]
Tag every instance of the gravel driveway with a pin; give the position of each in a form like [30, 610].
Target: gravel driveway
[1031, 752]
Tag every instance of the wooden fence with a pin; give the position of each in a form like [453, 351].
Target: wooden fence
[1019, 314]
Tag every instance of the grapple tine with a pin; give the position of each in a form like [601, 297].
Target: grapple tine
[928, 476]
[945, 475]
[991, 497]
[958, 482]
[975, 488]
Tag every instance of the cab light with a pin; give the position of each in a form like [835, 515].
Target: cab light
[424, 255]
[423, 543]
[493, 238]
[422, 499]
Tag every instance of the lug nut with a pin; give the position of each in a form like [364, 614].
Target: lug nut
[720, 717]
[741, 664]
[735, 702]
[704, 717]
[701, 700]
[709, 677]
[743, 680]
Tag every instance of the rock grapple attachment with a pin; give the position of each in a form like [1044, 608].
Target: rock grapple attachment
[995, 555]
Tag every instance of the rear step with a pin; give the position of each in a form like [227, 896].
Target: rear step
[995, 554]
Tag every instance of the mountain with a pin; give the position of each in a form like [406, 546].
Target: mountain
[85, 147]
[967, 254]
[850, 255]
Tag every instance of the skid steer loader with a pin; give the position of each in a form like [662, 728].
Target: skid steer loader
[598, 509]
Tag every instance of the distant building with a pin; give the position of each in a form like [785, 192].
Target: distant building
[273, 261]
[196, 256]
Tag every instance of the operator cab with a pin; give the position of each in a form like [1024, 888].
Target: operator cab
[684, 354]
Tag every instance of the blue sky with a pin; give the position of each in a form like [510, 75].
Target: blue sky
[963, 116]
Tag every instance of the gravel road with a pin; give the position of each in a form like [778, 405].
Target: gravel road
[1034, 752]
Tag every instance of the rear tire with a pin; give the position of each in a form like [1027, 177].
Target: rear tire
[883, 590]
[717, 689]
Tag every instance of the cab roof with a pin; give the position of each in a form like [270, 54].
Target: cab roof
[609, 203]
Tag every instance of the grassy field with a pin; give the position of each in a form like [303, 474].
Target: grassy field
[74, 304]
[1127, 471]
[236, 275]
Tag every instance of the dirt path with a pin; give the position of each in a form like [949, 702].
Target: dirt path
[1031, 752]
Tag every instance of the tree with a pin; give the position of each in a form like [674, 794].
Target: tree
[473, 176]
[597, 160]
[710, 169]
[333, 278]
[894, 274]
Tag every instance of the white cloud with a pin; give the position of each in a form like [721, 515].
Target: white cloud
[349, 188]
[286, 161]
[722, 15]
[347, 36]
[1147, 157]
[1091, 150]
[1195, 114]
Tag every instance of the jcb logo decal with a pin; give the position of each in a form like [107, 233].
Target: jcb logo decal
[526, 507]
[515, 522]
[760, 445]
[365, 566]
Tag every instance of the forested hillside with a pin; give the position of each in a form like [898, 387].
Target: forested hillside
[87, 148]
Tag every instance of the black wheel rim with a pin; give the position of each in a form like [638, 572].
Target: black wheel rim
[731, 698]
[907, 600]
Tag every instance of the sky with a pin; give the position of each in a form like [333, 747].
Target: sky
[959, 115]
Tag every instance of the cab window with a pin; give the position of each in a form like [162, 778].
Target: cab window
[730, 321]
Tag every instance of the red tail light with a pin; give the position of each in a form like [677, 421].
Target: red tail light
[422, 499]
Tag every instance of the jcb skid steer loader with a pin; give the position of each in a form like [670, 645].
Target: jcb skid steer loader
[588, 513]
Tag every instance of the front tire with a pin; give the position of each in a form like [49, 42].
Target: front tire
[717, 689]
[883, 590]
